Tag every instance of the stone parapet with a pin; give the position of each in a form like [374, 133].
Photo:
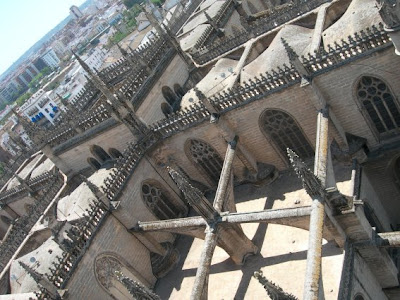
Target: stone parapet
[258, 27]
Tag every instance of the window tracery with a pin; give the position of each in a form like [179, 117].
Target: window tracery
[285, 133]
[379, 103]
[105, 270]
[157, 200]
[206, 158]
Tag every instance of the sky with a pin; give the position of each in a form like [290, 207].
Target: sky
[24, 22]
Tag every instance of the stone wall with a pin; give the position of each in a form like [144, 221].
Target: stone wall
[84, 285]
[150, 109]
[116, 137]
[364, 283]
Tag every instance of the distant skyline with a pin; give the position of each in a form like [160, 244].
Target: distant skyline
[24, 22]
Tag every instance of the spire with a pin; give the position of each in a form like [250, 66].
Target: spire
[289, 50]
[295, 61]
[152, 19]
[239, 8]
[24, 183]
[139, 58]
[194, 197]
[274, 291]
[82, 63]
[99, 194]
[96, 80]
[122, 50]
[49, 287]
[210, 21]
[33, 273]
[311, 183]
[203, 99]
[67, 104]
[177, 47]
[136, 289]
[127, 57]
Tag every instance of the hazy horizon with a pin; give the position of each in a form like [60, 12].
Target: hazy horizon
[24, 22]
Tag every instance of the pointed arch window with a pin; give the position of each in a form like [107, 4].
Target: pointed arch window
[168, 94]
[379, 103]
[179, 90]
[285, 133]
[100, 154]
[166, 109]
[115, 153]
[94, 163]
[159, 202]
[206, 158]
[105, 268]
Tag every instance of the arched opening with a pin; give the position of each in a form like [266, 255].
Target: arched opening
[105, 268]
[159, 202]
[94, 163]
[115, 153]
[379, 103]
[179, 91]
[206, 158]
[100, 154]
[284, 133]
[166, 109]
[168, 95]
[359, 297]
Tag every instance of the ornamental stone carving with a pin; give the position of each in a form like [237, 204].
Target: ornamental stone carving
[106, 266]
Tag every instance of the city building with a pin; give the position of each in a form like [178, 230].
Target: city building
[51, 59]
[40, 108]
[75, 12]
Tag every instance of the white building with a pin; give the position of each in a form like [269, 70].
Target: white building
[40, 108]
[142, 21]
[59, 47]
[75, 12]
[95, 58]
[51, 59]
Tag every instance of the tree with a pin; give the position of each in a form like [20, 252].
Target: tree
[21, 99]
[130, 3]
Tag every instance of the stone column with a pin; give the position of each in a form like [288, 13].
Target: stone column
[390, 14]
[60, 163]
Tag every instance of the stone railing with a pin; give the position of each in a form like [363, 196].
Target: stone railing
[177, 21]
[83, 122]
[261, 86]
[357, 46]
[74, 247]
[85, 98]
[220, 19]
[21, 227]
[157, 54]
[14, 166]
[36, 184]
[144, 88]
[256, 28]
[116, 72]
